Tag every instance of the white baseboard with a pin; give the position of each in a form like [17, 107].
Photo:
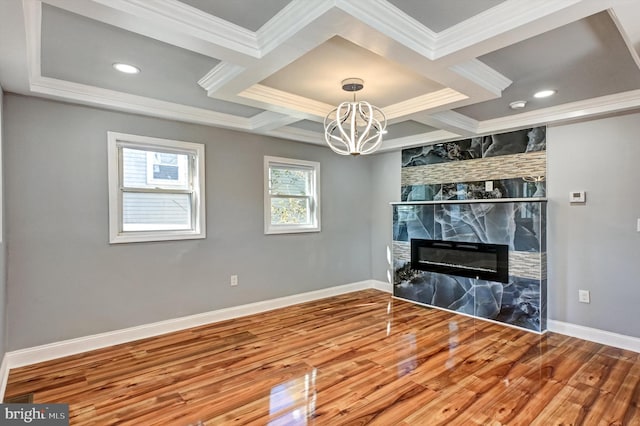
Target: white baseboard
[382, 286]
[22, 357]
[4, 376]
[595, 335]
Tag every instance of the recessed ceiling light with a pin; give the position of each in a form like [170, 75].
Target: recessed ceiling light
[126, 68]
[518, 104]
[544, 93]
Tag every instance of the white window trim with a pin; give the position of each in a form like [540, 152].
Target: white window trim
[315, 212]
[116, 235]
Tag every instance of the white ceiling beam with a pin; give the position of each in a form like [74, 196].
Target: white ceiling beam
[565, 112]
[269, 120]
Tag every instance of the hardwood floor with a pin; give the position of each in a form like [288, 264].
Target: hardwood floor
[360, 358]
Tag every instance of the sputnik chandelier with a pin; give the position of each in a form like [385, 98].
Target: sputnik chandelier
[354, 128]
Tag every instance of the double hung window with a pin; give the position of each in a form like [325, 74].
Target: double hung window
[156, 189]
[292, 195]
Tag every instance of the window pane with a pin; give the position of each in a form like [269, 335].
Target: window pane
[290, 211]
[289, 181]
[154, 169]
[144, 212]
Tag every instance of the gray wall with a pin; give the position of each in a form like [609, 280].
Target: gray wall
[385, 180]
[3, 252]
[595, 246]
[66, 281]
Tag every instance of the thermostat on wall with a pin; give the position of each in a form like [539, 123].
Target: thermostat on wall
[577, 197]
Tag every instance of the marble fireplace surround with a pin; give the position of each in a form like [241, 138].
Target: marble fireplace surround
[519, 223]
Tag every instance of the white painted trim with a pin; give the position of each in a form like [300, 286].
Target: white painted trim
[188, 20]
[296, 134]
[424, 102]
[483, 75]
[90, 95]
[288, 100]
[433, 137]
[565, 112]
[391, 21]
[496, 21]
[291, 20]
[22, 357]
[270, 120]
[382, 286]
[594, 335]
[4, 375]
[219, 75]
[625, 36]
[198, 193]
[314, 196]
[455, 122]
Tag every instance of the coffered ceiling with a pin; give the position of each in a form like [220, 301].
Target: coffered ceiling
[439, 70]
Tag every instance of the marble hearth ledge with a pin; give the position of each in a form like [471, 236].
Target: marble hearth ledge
[481, 200]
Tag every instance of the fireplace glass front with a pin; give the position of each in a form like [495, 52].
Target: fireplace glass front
[467, 259]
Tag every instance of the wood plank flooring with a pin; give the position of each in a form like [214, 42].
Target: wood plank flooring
[356, 359]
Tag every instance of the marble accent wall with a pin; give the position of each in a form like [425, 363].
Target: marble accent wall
[521, 225]
[507, 165]
[513, 163]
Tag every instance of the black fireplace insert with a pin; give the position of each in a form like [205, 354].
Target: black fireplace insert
[474, 260]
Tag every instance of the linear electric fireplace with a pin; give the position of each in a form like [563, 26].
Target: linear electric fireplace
[474, 260]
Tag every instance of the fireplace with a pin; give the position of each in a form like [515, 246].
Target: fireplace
[467, 259]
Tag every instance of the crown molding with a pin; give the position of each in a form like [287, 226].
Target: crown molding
[290, 21]
[565, 112]
[32, 19]
[493, 22]
[219, 75]
[270, 120]
[425, 102]
[483, 75]
[454, 122]
[287, 100]
[188, 20]
[391, 21]
[417, 140]
[300, 135]
[625, 37]
[89, 95]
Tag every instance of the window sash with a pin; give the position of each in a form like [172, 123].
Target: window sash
[308, 179]
[194, 189]
[312, 195]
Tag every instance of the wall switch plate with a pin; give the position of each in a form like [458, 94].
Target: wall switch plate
[638, 225]
[577, 197]
[488, 185]
[234, 280]
[584, 296]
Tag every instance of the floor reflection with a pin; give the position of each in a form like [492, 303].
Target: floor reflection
[293, 402]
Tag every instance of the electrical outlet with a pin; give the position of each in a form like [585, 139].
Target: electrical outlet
[234, 280]
[584, 296]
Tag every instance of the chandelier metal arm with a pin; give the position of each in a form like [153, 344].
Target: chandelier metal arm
[356, 126]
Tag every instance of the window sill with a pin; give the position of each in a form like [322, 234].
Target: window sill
[143, 237]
